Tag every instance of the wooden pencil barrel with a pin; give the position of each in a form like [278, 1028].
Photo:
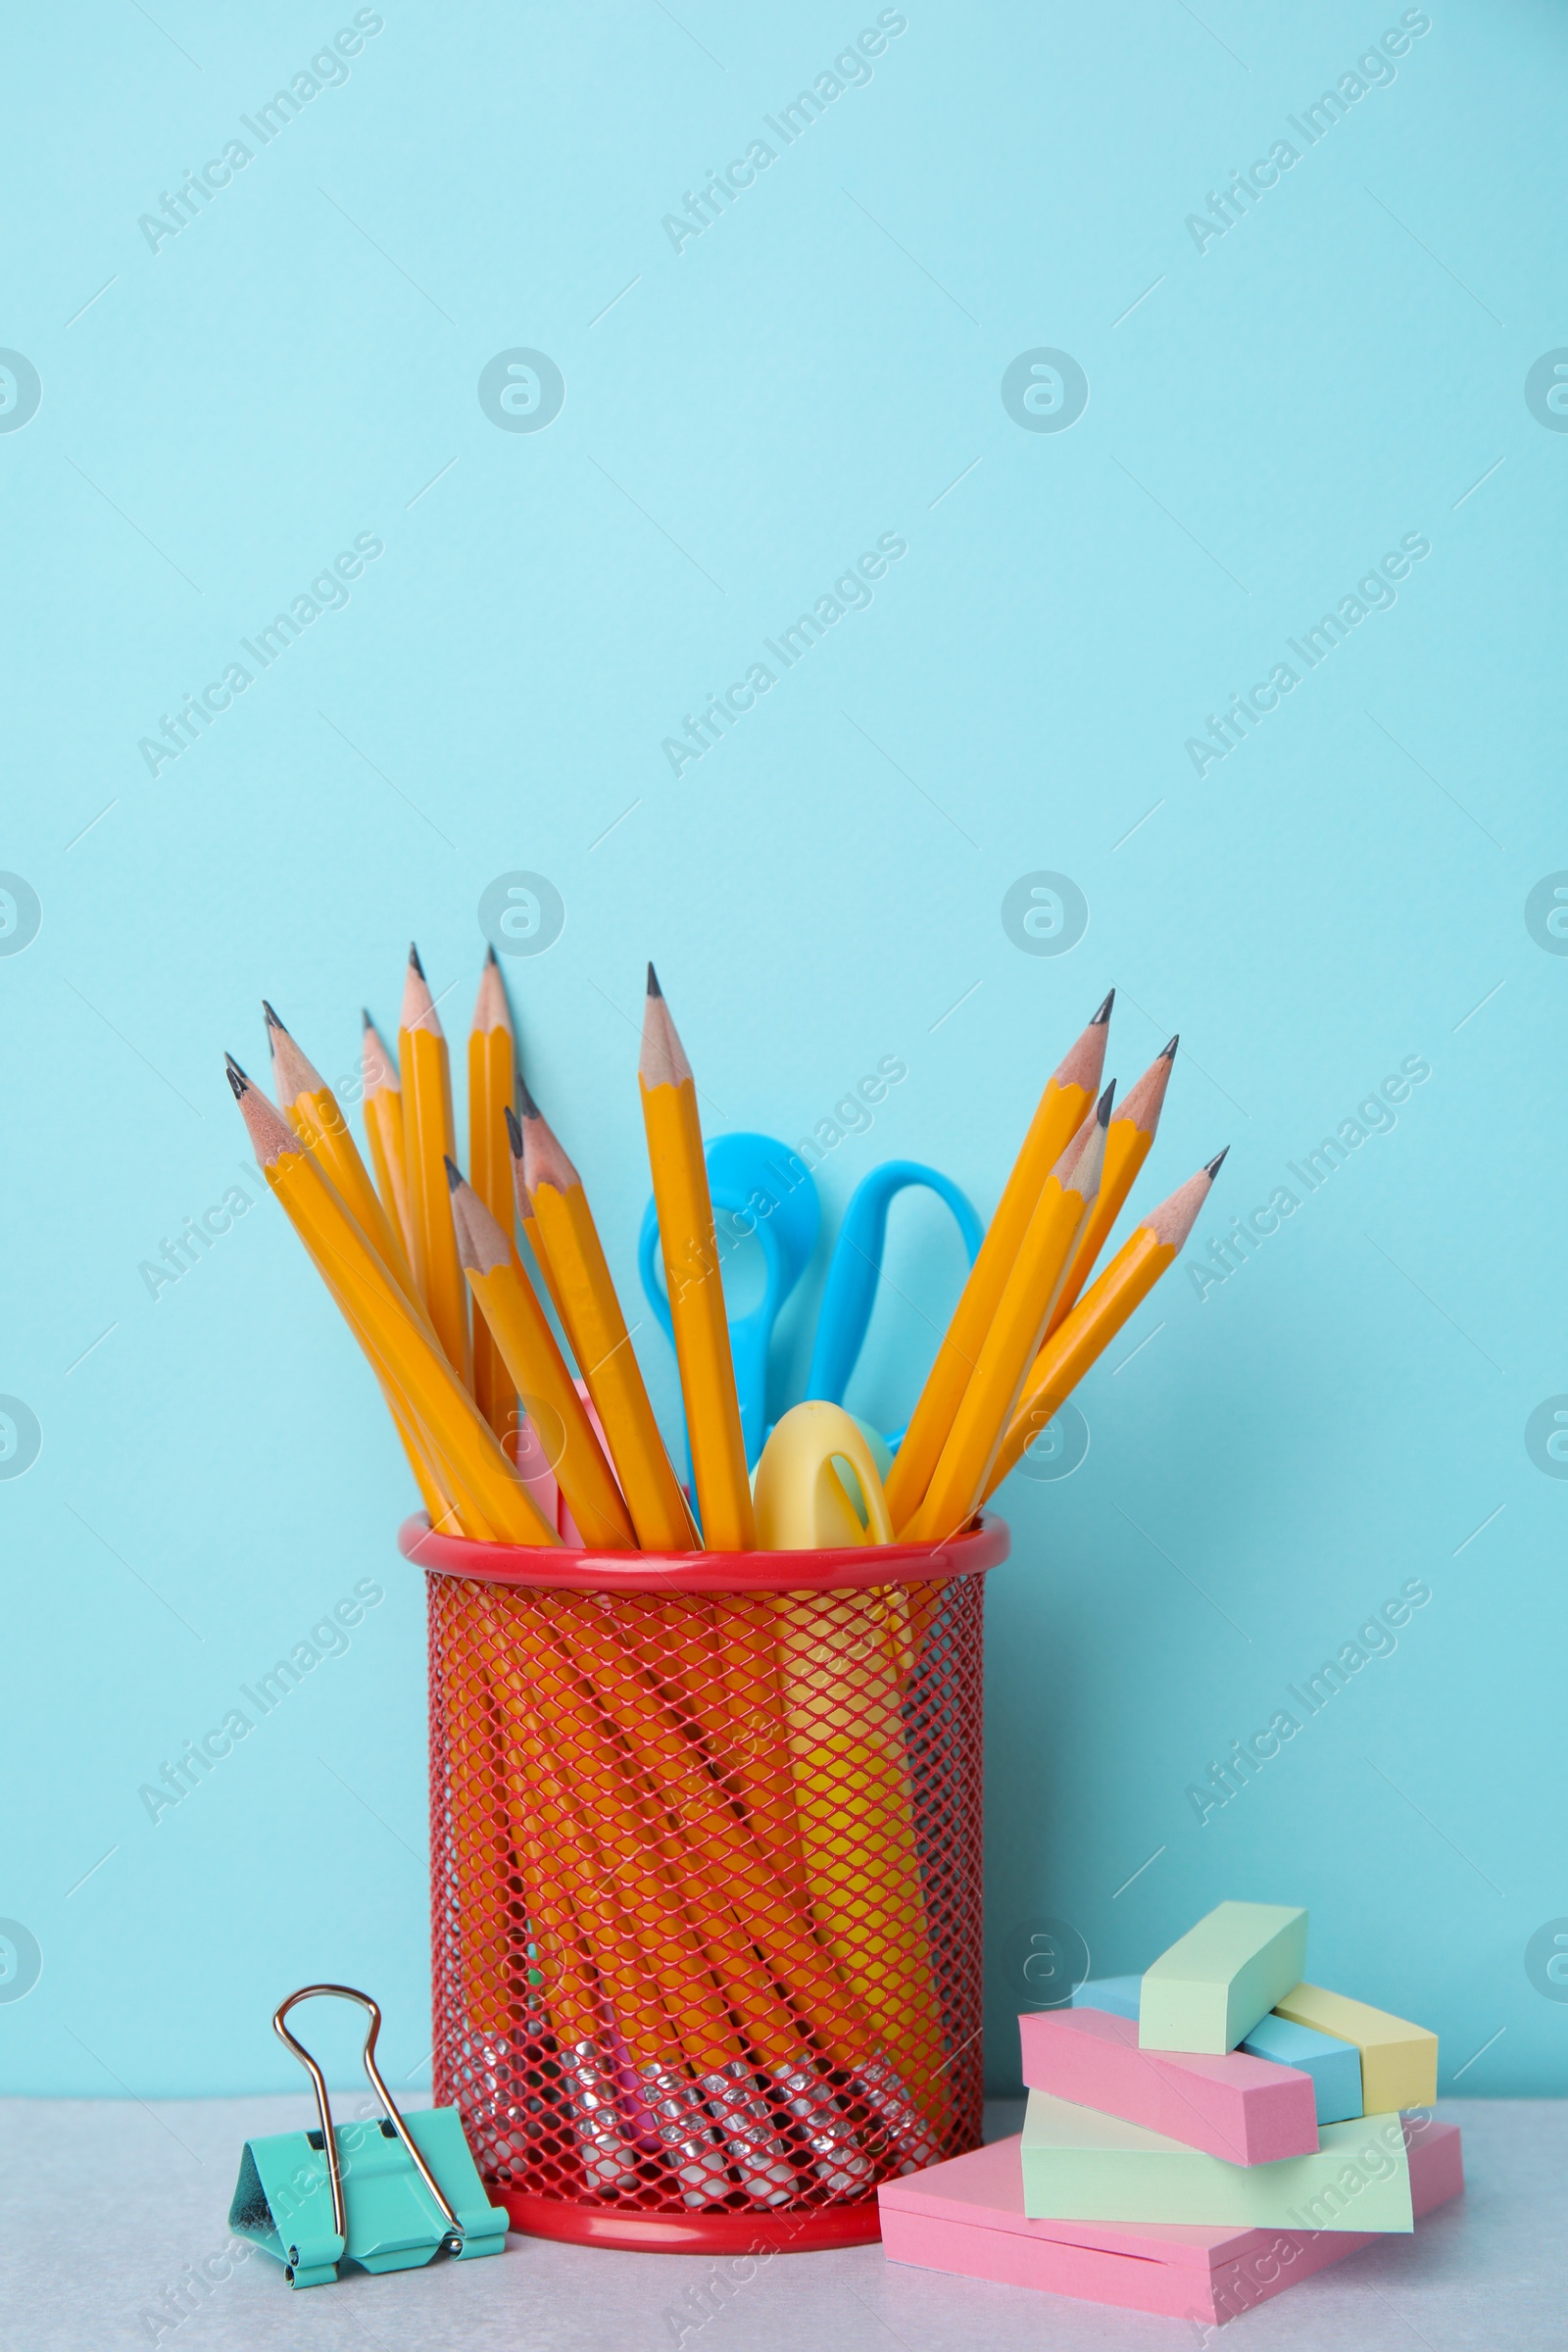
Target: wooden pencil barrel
[705, 1880]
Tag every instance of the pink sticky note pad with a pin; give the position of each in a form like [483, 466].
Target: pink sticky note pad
[1245, 2110]
[966, 2217]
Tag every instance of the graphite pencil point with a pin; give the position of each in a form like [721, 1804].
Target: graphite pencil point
[490, 1010]
[1099, 1019]
[513, 1131]
[1169, 1053]
[419, 1005]
[663, 1060]
[413, 958]
[453, 1172]
[1215, 1164]
[1141, 1105]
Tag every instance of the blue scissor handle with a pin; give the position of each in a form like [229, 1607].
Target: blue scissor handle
[850, 1292]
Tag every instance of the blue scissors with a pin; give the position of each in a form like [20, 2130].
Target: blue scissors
[764, 1185]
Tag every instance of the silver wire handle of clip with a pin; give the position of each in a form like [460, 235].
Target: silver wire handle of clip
[346, 1993]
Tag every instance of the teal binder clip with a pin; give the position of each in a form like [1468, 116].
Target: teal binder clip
[387, 2195]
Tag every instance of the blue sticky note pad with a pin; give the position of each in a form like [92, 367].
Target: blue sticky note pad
[1118, 1994]
[1334, 2066]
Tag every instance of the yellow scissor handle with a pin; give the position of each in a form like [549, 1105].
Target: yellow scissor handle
[801, 1502]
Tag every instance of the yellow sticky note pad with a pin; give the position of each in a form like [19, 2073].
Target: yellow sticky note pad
[1398, 2061]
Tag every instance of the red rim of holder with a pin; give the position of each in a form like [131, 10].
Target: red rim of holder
[549, 1567]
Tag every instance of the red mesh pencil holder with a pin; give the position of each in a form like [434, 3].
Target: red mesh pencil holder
[706, 1880]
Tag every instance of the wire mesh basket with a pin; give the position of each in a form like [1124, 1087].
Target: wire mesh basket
[706, 1880]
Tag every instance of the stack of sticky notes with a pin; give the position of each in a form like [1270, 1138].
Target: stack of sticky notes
[1196, 2139]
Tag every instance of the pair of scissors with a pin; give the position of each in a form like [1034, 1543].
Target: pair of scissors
[766, 1188]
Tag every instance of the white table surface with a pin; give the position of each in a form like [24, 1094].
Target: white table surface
[105, 2203]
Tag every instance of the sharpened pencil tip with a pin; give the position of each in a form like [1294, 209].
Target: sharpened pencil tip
[653, 989]
[1103, 1112]
[235, 1076]
[514, 1132]
[490, 952]
[1215, 1164]
[454, 1173]
[525, 1102]
[1099, 1019]
[365, 1021]
[273, 1021]
[414, 960]
[1169, 1054]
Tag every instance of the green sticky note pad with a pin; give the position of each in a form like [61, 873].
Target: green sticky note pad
[1082, 2166]
[1222, 1978]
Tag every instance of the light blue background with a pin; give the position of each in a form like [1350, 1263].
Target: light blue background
[822, 366]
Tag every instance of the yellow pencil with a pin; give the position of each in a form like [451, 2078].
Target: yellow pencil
[491, 1061]
[1128, 1138]
[1069, 1090]
[314, 1112]
[690, 1249]
[533, 1367]
[429, 1144]
[534, 1125]
[1016, 1330]
[383, 1131]
[445, 1517]
[556, 1214]
[401, 1353]
[1100, 1314]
